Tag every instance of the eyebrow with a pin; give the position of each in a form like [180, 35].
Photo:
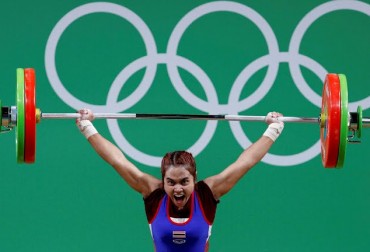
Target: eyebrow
[181, 179]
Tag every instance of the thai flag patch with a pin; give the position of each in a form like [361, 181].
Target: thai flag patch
[179, 237]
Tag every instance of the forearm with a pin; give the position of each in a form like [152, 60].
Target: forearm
[254, 153]
[247, 160]
[223, 182]
[111, 154]
[108, 151]
[138, 180]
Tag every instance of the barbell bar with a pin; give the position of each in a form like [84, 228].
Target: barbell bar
[338, 126]
[176, 117]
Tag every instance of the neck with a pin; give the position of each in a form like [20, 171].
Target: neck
[180, 213]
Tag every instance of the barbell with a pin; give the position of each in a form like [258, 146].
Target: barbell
[337, 125]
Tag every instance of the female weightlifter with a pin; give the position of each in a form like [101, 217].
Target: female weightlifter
[180, 210]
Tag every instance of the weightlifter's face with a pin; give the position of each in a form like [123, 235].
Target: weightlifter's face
[179, 185]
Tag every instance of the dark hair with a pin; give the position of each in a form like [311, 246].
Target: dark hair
[179, 158]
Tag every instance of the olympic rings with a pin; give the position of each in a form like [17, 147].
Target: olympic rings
[173, 61]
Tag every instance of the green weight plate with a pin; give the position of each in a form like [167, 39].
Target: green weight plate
[19, 139]
[359, 121]
[343, 120]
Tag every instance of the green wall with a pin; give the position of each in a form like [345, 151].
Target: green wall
[246, 57]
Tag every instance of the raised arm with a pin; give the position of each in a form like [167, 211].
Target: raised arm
[138, 180]
[223, 182]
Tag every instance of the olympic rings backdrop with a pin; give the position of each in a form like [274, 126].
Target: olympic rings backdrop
[194, 57]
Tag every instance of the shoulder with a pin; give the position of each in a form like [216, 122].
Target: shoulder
[207, 200]
[204, 190]
[152, 201]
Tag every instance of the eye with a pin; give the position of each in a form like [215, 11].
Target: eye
[185, 182]
[170, 182]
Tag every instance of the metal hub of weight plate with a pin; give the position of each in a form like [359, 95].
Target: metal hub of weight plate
[330, 128]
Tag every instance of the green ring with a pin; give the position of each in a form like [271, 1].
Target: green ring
[359, 121]
[343, 120]
[19, 138]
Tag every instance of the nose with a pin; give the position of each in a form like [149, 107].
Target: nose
[177, 188]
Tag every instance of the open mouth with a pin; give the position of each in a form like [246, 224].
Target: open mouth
[179, 199]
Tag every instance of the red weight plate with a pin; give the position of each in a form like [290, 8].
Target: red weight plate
[330, 130]
[30, 115]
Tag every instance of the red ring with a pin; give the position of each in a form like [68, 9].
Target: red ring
[30, 115]
[330, 133]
